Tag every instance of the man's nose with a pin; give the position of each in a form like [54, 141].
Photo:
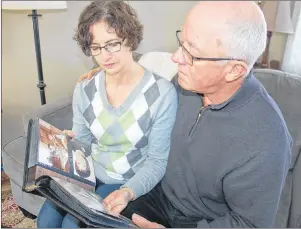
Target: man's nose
[177, 56]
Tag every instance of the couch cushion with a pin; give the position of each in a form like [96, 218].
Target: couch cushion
[29, 202]
[159, 63]
[285, 89]
[13, 156]
[295, 214]
[58, 113]
[62, 119]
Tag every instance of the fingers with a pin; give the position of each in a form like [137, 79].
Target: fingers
[109, 198]
[118, 208]
[69, 133]
[117, 201]
[91, 73]
[81, 78]
[88, 75]
[144, 223]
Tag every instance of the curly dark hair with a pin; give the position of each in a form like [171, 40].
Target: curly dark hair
[117, 15]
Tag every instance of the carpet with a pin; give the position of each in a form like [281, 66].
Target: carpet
[11, 215]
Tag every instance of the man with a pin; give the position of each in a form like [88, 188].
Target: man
[230, 147]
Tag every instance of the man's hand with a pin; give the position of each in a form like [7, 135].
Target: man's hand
[118, 200]
[144, 223]
[89, 74]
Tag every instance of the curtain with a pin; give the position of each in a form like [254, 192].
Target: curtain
[292, 55]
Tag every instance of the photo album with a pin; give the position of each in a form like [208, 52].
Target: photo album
[60, 169]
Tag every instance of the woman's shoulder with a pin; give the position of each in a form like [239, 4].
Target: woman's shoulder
[88, 84]
[84, 91]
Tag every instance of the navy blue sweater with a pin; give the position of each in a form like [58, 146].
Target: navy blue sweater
[228, 162]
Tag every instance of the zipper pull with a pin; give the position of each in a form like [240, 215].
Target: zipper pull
[196, 122]
[199, 115]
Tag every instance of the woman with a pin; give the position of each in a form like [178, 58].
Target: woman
[124, 112]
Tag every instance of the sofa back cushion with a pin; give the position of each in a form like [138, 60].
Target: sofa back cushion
[159, 63]
[285, 89]
[58, 113]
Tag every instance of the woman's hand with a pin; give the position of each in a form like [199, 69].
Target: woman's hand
[69, 133]
[88, 75]
[118, 200]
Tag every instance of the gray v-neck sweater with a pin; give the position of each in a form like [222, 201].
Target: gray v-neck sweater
[228, 162]
[130, 143]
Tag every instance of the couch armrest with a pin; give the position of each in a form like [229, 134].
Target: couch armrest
[295, 215]
[45, 111]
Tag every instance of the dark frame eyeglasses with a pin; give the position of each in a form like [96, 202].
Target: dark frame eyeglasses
[111, 47]
[187, 55]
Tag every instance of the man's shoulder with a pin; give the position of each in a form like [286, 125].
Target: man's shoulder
[265, 120]
[268, 108]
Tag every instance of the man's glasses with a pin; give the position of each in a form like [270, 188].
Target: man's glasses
[111, 48]
[190, 58]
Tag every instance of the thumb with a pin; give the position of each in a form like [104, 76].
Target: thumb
[144, 223]
[69, 133]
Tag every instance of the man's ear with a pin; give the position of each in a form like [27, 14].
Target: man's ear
[236, 70]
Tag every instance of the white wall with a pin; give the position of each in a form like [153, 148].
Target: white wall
[62, 59]
[161, 20]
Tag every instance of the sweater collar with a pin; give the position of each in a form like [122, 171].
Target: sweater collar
[249, 87]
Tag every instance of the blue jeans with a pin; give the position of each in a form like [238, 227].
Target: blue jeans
[51, 216]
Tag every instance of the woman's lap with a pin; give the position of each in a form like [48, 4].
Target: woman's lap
[51, 216]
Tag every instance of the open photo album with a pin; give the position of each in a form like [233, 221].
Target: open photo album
[61, 169]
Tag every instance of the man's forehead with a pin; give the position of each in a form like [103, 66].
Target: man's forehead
[192, 35]
[203, 40]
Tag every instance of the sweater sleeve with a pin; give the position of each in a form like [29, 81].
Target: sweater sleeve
[79, 127]
[154, 166]
[253, 191]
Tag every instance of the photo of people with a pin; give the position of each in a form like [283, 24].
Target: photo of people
[53, 147]
[82, 161]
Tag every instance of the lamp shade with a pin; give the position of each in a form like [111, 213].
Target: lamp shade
[33, 5]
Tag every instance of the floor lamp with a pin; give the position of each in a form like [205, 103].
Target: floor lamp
[34, 6]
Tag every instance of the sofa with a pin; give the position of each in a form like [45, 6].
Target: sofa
[285, 88]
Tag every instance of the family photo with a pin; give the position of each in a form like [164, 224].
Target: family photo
[53, 149]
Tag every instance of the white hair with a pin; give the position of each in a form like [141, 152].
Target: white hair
[245, 38]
